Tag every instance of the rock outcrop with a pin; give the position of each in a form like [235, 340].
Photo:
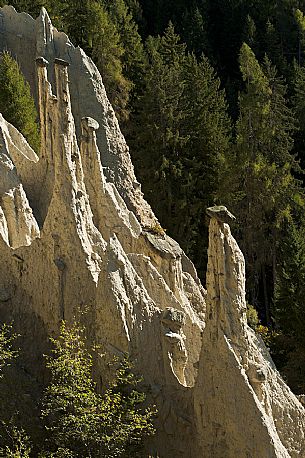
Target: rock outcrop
[75, 235]
[18, 226]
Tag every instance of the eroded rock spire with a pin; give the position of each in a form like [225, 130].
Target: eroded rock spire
[243, 407]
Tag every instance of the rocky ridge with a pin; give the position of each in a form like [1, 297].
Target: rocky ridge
[76, 234]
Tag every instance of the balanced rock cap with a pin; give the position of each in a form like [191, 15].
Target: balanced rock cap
[221, 213]
[42, 62]
[62, 62]
[90, 122]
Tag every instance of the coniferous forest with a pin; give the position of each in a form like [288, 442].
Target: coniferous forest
[210, 95]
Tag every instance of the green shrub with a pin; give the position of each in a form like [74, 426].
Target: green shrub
[252, 317]
[7, 353]
[19, 446]
[81, 422]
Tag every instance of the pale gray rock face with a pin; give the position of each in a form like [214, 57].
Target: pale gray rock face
[18, 225]
[3, 227]
[88, 96]
[217, 391]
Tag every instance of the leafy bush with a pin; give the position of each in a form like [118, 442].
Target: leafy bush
[19, 446]
[252, 317]
[81, 422]
[269, 335]
[7, 353]
[16, 440]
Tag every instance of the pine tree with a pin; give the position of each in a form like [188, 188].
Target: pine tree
[180, 151]
[208, 128]
[133, 58]
[73, 17]
[249, 33]
[272, 46]
[194, 31]
[157, 148]
[107, 52]
[300, 21]
[289, 306]
[288, 309]
[14, 442]
[137, 14]
[16, 102]
[263, 188]
[298, 103]
[90, 25]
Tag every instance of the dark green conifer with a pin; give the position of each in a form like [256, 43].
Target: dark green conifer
[194, 31]
[180, 151]
[107, 52]
[289, 306]
[249, 34]
[73, 17]
[157, 148]
[263, 188]
[133, 58]
[208, 127]
[16, 102]
[298, 103]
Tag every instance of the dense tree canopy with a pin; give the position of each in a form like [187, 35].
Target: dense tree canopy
[182, 148]
[260, 168]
